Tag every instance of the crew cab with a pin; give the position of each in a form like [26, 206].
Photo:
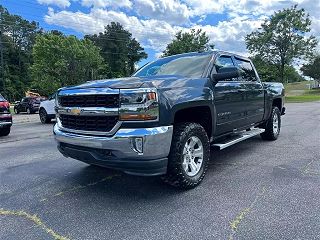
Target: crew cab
[167, 117]
[5, 117]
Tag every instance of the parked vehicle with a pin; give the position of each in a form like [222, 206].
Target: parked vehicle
[5, 117]
[46, 110]
[27, 104]
[163, 119]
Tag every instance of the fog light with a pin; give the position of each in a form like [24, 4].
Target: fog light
[138, 144]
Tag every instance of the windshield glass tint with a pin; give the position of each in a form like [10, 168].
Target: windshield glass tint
[188, 66]
[1, 98]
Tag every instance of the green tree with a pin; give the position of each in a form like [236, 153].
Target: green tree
[119, 49]
[312, 69]
[269, 73]
[192, 41]
[282, 38]
[17, 37]
[64, 60]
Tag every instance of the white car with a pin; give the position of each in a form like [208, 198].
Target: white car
[46, 110]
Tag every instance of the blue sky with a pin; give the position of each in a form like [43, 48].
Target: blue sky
[154, 22]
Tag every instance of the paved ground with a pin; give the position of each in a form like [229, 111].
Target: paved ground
[253, 190]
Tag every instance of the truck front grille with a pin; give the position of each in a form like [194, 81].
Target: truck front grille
[99, 100]
[89, 123]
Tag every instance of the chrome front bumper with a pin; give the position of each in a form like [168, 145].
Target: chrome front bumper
[2, 124]
[120, 150]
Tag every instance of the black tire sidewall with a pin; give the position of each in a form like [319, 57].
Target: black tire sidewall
[176, 175]
[203, 139]
[269, 134]
[5, 131]
[42, 111]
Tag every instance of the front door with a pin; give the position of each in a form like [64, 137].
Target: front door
[229, 99]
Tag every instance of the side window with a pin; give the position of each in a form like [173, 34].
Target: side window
[246, 70]
[224, 61]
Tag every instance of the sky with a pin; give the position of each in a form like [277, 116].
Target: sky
[154, 22]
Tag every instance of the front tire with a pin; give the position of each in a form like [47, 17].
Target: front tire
[16, 111]
[28, 111]
[272, 126]
[189, 156]
[5, 131]
[44, 116]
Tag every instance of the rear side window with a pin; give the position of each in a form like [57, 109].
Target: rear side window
[246, 70]
[223, 61]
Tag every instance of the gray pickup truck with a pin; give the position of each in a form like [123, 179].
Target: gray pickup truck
[167, 117]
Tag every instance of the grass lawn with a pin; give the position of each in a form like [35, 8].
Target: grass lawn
[298, 92]
[307, 96]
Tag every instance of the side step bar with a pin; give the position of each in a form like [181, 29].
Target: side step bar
[238, 138]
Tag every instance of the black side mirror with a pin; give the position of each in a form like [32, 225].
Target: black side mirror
[226, 73]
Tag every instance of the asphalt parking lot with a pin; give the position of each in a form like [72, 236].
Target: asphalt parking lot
[253, 190]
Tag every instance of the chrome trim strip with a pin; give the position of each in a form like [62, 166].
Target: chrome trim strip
[93, 133]
[88, 111]
[88, 91]
[5, 123]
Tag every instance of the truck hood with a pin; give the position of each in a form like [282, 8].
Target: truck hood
[136, 82]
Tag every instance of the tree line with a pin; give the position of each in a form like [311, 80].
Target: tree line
[32, 58]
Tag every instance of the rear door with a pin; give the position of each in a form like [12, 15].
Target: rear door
[254, 91]
[229, 99]
[51, 104]
[22, 107]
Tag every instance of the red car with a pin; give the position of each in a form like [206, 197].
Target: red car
[5, 117]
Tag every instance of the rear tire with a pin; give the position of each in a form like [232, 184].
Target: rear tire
[272, 126]
[189, 156]
[5, 131]
[28, 111]
[44, 116]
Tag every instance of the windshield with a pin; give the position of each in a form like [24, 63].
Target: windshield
[187, 65]
[2, 98]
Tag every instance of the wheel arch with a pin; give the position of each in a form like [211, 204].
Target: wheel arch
[201, 113]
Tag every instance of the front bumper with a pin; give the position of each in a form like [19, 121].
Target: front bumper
[120, 151]
[5, 120]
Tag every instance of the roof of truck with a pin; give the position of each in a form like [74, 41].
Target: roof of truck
[213, 52]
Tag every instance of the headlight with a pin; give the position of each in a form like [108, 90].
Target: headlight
[139, 105]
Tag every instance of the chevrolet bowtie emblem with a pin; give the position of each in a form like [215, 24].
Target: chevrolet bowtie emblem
[75, 111]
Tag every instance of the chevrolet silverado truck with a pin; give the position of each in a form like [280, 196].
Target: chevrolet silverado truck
[165, 119]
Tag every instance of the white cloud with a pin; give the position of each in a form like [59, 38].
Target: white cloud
[171, 11]
[59, 3]
[155, 22]
[152, 33]
[107, 3]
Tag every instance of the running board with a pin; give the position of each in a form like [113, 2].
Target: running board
[238, 138]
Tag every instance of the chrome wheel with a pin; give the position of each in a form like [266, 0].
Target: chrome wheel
[192, 156]
[275, 124]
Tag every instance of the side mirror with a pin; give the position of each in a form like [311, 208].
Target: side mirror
[226, 73]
